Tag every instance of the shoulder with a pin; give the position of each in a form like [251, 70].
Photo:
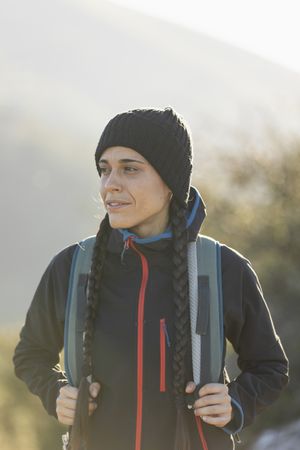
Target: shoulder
[60, 265]
[63, 259]
[230, 258]
[52, 290]
[241, 285]
[233, 263]
[240, 281]
[237, 270]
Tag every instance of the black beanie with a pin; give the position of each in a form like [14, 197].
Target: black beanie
[161, 137]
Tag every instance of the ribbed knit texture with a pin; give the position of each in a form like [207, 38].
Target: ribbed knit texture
[161, 137]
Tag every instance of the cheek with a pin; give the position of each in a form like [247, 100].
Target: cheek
[152, 203]
[101, 191]
[159, 196]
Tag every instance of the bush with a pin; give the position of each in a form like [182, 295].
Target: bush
[24, 424]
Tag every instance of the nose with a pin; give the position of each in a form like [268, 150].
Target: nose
[112, 182]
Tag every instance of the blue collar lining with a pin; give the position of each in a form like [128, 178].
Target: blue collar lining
[167, 234]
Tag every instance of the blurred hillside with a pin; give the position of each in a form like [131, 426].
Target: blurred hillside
[66, 67]
[75, 63]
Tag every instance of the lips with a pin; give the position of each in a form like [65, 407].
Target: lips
[116, 204]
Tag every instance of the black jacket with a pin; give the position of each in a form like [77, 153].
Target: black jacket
[134, 326]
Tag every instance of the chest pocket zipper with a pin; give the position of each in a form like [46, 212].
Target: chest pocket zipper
[164, 339]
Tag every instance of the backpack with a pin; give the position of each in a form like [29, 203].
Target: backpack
[206, 309]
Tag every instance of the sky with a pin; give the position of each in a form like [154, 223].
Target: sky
[269, 28]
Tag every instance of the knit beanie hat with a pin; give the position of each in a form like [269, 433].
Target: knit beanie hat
[161, 137]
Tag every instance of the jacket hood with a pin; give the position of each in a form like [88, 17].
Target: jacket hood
[196, 213]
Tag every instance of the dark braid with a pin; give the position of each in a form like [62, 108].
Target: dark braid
[80, 428]
[94, 284]
[182, 330]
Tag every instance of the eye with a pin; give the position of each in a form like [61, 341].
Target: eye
[103, 170]
[130, 169]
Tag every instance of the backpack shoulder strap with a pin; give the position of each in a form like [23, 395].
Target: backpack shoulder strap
[206, 309]
[75, 309]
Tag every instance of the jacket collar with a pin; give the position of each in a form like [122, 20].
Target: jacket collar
[196, 213]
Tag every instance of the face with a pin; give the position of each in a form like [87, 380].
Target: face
[133, 193]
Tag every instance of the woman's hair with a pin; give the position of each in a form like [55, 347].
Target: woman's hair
[181, 323]
[180, 294]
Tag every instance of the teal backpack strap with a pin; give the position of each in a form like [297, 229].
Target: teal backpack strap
[75, 309]
[206, 309]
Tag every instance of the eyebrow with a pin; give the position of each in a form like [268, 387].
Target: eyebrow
[124, 160]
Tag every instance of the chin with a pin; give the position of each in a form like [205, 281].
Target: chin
[119, 223]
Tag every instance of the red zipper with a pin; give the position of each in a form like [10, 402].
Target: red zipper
[200, 432]
[140, 339]
[140, 342]
[162, 384]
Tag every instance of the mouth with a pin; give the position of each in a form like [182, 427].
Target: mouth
[115, 205]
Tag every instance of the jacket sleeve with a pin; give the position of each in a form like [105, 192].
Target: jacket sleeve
[36, 357]
[261, 358]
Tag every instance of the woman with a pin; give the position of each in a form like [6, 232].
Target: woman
[137, 283]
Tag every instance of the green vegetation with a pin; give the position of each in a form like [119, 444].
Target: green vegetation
[255, 209]
[258, 213]
[24, 424]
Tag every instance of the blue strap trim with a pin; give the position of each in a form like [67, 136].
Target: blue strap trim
[67, 316]
[237, 421]
[220, 290]
[194, 210]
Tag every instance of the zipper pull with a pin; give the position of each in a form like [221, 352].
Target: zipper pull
[167, 335]
[65, 440]
[125, 247]
[237, 438]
